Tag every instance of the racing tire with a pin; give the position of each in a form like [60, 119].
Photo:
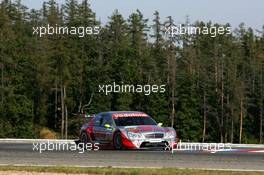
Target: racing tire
[84, 138]
[118, 143]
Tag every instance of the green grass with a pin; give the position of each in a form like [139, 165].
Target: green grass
[122, 171]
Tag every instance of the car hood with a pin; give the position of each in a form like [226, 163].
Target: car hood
[145, 128]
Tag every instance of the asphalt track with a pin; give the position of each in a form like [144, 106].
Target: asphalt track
[23, 154]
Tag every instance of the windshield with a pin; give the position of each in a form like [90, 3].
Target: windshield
[131, 121]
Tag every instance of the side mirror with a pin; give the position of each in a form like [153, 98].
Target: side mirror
[107, 126]
[160, 124]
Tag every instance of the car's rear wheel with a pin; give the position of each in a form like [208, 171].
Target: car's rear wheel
[118, 143]
[84, 138]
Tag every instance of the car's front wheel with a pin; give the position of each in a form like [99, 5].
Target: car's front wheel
[118, 143]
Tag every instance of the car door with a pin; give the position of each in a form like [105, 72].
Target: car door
[97, 128]
[108, 132]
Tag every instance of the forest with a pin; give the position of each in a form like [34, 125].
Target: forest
[214, 85]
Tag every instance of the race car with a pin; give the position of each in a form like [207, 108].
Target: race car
[127, 130]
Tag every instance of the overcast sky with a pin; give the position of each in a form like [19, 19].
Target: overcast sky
[251, 12]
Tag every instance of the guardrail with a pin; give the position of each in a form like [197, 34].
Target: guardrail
[11, 140]
[8, 140]
[233, 145]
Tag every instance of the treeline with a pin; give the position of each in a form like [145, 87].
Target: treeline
[214, 85]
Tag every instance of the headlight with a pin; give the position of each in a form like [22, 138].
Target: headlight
[133, 135]
[169, 135]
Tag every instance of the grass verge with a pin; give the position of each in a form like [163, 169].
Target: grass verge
[122, 171]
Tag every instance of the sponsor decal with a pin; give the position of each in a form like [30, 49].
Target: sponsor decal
[118, 115]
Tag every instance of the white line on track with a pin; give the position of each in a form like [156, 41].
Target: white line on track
[126, 167]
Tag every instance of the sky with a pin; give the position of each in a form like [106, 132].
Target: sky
[251, 12]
